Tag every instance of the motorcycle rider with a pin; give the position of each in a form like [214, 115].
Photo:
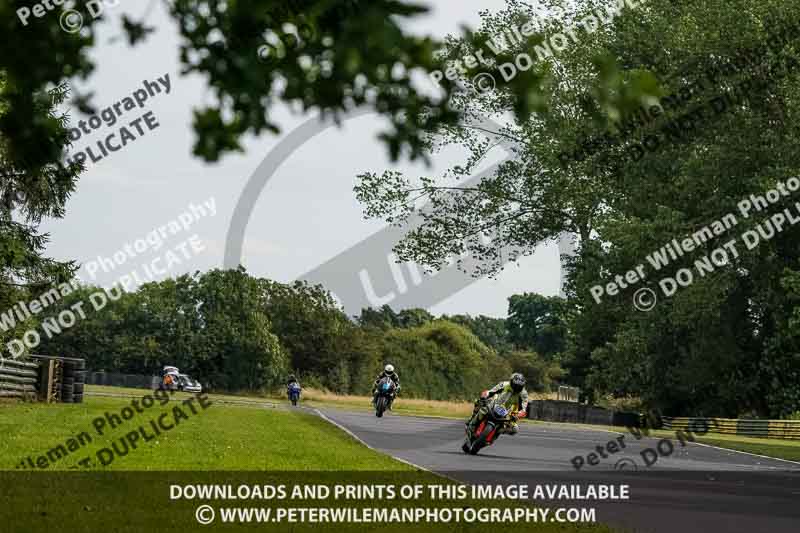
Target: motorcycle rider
[510, 394]
[388, 371]
[292, 381]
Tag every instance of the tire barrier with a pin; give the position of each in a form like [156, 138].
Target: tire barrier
[769, 429]
[61, 379]
[19, 379]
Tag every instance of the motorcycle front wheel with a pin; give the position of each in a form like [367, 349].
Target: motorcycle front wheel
[380, 406]
[480, 440]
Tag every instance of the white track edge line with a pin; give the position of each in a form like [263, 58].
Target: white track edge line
[360, 440]
[748, 453]
[700, 444]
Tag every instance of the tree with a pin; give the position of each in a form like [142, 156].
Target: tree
[307, 53]
[240, 348]
[383, 318]
[582, 167]
[529, 197]
[328, 55]
[31, 188]
[540, 374]
[537, 323]
[491, 331]
[410, 318]
[210, 325]
[312, 328]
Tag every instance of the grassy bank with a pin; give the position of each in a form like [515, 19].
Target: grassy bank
[406, 406]
[782, 449]
[221, 437]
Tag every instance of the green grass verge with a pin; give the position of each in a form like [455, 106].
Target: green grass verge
[221, 437]
[781, 449]
[244, 399]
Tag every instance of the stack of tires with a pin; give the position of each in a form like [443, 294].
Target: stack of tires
[73, 379]
[18, 378]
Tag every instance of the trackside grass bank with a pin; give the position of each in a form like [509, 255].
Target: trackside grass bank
[221, 437]
[222, 444]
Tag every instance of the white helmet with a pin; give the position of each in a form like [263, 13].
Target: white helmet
[388, 369]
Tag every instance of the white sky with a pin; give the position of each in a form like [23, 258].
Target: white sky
[306, 214]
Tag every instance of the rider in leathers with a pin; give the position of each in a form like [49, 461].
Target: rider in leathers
[389, 372]
[510, 394]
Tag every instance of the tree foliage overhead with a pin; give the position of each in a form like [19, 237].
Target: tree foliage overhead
[529, 198]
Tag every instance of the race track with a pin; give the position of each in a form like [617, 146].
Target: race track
[694, 489]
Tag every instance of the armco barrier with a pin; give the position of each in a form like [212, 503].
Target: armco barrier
[770, 429]
[559, 411]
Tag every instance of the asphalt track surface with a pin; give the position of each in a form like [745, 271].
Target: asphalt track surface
[695, 489]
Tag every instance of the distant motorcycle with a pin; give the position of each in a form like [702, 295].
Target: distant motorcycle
[385, 395]
[294, 393]
[486, 432]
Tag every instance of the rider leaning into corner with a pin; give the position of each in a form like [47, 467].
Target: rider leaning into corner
[510, 394]
[388, 371]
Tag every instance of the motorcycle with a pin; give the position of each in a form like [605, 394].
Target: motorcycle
[385, 396]
[294, 393]
[486, 432]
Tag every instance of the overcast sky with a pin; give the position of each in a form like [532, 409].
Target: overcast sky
[306, 215]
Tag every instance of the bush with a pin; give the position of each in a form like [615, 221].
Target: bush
[539, 374]
[439, 361]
